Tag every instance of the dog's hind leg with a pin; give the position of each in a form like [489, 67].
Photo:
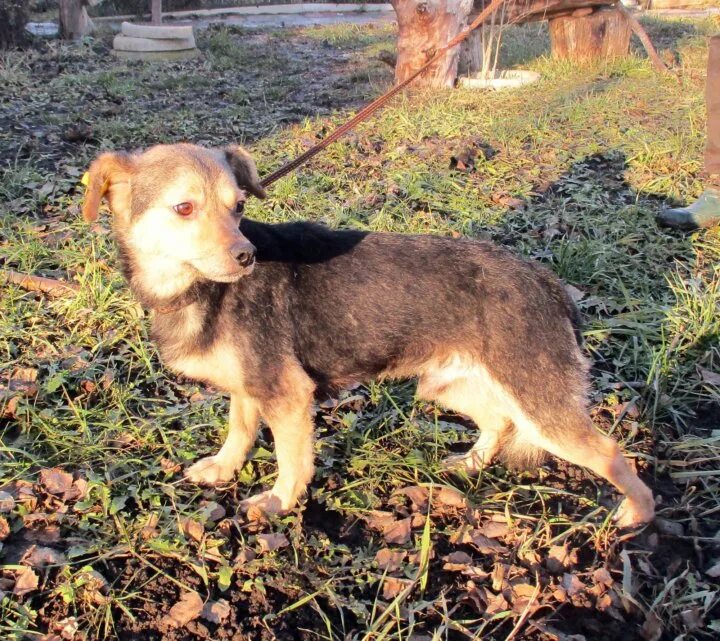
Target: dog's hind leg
[244, 419]
[468, 393]
[290, 419]
[572, 436]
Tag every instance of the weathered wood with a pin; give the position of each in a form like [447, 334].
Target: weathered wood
[423, 27]
[156, 11]
[74, 20]
[519, 11]
[602, 34]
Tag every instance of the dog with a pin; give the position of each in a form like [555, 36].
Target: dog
[270, 313]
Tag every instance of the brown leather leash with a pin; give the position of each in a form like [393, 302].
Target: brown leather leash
[376, 104]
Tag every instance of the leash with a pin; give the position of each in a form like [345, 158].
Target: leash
[376, 104]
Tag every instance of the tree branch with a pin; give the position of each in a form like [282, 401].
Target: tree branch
[640, 32]
[33, 283]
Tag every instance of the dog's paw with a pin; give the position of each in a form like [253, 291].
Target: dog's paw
[210, 471]
[630, 514]
[470, 463]
[267, 502]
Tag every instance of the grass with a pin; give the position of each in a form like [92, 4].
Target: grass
[573, 172]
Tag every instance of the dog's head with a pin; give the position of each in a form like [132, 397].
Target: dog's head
[177, 210]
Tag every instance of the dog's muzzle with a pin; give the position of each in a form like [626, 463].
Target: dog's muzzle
[243, 252]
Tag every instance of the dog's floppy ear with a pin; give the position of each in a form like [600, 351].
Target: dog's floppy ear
[243, 167]
[108, 172]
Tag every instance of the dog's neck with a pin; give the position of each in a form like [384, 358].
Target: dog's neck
[158, 286]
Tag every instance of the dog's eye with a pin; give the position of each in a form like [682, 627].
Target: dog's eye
[184, 209]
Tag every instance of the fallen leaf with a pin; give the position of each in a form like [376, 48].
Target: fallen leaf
[245, 556]
[496, 604]
[476, 573]
[150, 528]
[79, 490]
[39, 556]
[378, 519]
[55, 481]
[187, 609]
[192, 529]
[457, 561]
[4, 528]
[561, 558]
[450, 497]
[494, 529]
[393, 586]
[44, 535]
[216, 611]
[398, 532]
[714, 571]
[572, 584]
[708, 376]
[483, 543]
[602, 576]
[68, 628]
[523, 591]
[652, 629]
[26, 580]
[417, 494]
[169, 467]
[389, 560]
[692, 618]
[271, 542]
[213, 511]
[7, 502]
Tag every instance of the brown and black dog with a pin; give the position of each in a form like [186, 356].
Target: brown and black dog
[269, 313]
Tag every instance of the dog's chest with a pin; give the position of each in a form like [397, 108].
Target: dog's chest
[218, 366]
[186, 351]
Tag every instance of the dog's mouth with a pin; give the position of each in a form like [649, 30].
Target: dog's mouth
[225, 277]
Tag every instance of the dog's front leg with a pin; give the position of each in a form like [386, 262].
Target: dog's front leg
[242, 431]
[290, 419]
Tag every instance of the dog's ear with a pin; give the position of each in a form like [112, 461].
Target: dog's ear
[109, 172]
[243, 167]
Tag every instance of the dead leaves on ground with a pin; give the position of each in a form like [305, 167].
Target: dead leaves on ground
[19, 383]
[491, 569]
[188, 608]
[30, 533]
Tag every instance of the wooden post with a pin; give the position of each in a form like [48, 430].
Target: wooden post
[74, 20]
[156, 11]
[602, 34]
[423, 27]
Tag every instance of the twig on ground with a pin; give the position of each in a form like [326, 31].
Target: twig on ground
[33, 283]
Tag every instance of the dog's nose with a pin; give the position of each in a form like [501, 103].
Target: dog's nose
[243, 252]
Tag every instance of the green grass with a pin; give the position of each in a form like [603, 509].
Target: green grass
[592, 153]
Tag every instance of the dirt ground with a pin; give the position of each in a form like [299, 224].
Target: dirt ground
[102, 539]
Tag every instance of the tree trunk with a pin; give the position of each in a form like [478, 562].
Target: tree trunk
[423, 27]
[602, 34]
[13, 18]
[156, 11]
[74, 20]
